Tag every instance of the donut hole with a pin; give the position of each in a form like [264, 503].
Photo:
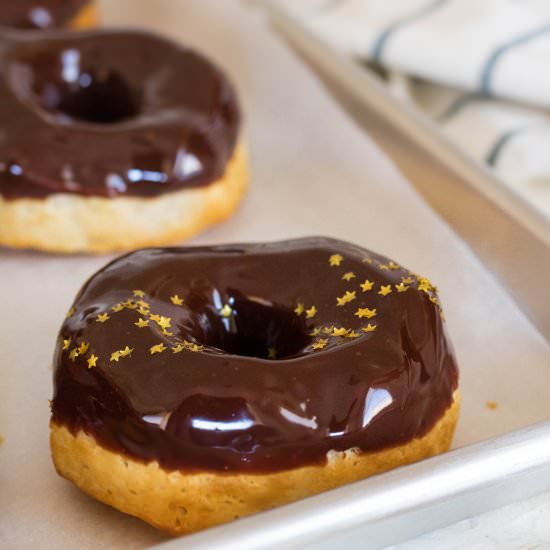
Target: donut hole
[258, 328]
[99, 98]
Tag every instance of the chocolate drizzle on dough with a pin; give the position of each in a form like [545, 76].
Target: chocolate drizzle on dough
[257, 357]
[39, 14]
[110, 114]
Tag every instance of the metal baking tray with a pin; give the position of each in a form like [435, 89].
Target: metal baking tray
[513, 240]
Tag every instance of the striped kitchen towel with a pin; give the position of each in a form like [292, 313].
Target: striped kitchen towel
[480, 69]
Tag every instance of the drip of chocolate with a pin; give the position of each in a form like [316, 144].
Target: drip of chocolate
[110, 114]
[39, 14]
[257, 357]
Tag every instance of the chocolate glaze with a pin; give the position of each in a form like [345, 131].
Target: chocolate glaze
[39, 14]
[226, 405]
[108, 114]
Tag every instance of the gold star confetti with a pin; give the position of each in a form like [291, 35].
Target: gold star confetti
[299, 309]
[84, 346]
[143, 310]
[271, 353]
[393, 266]
[70, 313]
[163, 322]
[194, 347]
[139, 293]
[167, 332]
[401, 287]
[143, 304]
[369, 328]
[66, 344]
[434, 300]
[158, 348]
[226, 311]
[176, 300]
[74, 354]
[142, 323]
[352, 334]
[102, 318]
[384, 290]
[117, 307]
[384, 267]
[311, 312]
[126, 352]
[339, 331]
[348, 276]
[365, 312]
[315, 332]
[319, 344]
[407, 280]
[335, 260]
[178, 348]
[129, 304]
[115, 356]
[328, 330]
[92, 361]
[346, 298]
[367, 285]
[424, 284]
[367, 260]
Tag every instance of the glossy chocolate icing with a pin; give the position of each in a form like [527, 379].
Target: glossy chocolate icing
[110, 114]
[245, 374]
[39, 14]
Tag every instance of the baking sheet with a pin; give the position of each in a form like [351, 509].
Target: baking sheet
[313, 172]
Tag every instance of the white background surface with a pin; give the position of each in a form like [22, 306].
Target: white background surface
[313, 172]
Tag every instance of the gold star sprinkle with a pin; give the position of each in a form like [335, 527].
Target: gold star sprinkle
[164, 322]
[424, 284]
[365, 312]
[367, 285]
[394, 266]
[339, 331]
[126, 352]
[401, 287]
[352, 334]
[369, 328]
[176, 300]
[299, 309]
[311, 312]
[129, 304]
[367, 260]
[178, 348]
[315, 332]
[142, 323]
[195, 347]
[115, 356]
[84, 346]
[66, 344]
[102, 318]
[143, 304]
[271, 353]
[118, 307]
[407, 280]
[74, 354]
[143, 310]
[348, 276]
[139, 293]
[70, 312]
[92, 361]
[226, 311]
[159, 348]
[320, 344]
[347, 297]
[328, 330]
[434, 300]
[384, 267]
[335, 260]
[384, 290]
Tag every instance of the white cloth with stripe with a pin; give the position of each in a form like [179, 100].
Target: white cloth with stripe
[481, 69]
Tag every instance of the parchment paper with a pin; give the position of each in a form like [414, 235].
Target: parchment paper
[313, 172]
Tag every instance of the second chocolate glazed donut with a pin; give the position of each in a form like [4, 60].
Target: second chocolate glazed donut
[113, 140]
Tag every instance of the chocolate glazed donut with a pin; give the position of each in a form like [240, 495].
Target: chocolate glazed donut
[44, 14]
[113, 115]
[253, 362]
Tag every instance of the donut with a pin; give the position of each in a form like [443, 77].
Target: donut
[197, 385]
[113, 141]
[48, 14]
